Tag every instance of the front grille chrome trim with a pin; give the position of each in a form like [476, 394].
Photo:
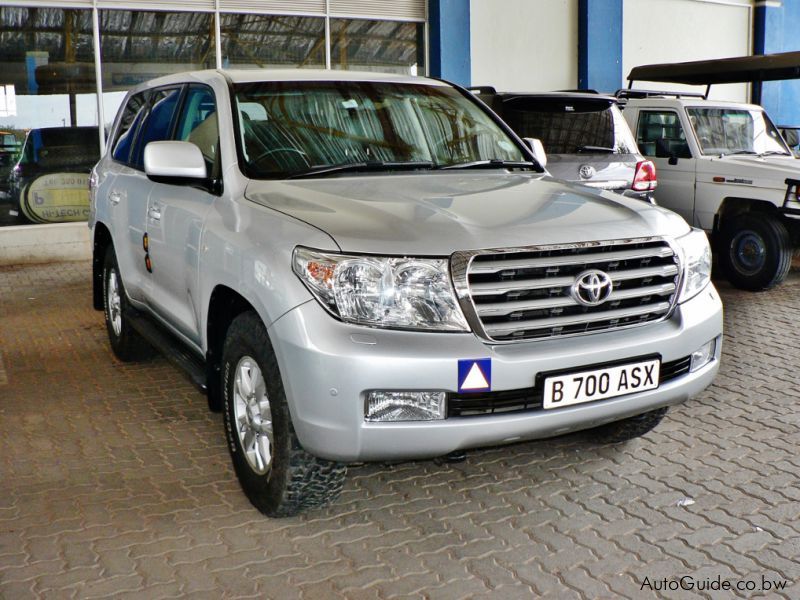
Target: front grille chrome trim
[665, 294]
[504, 308]
[533, 263]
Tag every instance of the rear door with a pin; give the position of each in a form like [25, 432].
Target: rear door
[176, 216]
[123, 190]
[663, 139]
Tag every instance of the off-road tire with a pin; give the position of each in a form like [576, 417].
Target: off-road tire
[764, 231]
[296, 480]
[627, 429]
[126, 343]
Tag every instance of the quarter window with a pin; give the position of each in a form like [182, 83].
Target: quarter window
[661, 134]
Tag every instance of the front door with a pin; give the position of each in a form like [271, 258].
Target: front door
[176, 216]
[662, 138]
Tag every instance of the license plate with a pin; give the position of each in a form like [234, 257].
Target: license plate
[598, 384]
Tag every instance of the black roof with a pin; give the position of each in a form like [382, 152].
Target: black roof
[761, 67]
[566, 95]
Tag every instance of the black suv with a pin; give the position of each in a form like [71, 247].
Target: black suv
[584, 134]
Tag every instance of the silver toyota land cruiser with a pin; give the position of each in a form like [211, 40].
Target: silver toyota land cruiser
[362, 267]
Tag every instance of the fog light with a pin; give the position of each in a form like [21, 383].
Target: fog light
[703, 355]
[404, 406]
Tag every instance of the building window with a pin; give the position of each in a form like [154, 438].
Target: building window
[367, 45]
[50, 131]
[137, 46]
[269, 41]
[48, 114]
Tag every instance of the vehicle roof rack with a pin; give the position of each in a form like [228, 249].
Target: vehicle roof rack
[580, 91]
[631, 93]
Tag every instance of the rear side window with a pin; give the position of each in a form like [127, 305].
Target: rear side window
[132, 116]
[157, 124]
[660, 134]
[570, 126]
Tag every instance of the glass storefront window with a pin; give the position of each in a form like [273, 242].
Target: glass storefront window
[50, 133]
[49, 119]
[270, 41]
[388, 46]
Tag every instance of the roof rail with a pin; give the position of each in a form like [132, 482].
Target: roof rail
[580, 91]
[630, 93]
[482, 89]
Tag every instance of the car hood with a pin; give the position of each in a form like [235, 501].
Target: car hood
[767, 172]
[440, 213]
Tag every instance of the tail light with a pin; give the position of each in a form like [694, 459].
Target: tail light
[644, 179]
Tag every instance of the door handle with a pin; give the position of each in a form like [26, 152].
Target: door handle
[154, 212]
[114, 197]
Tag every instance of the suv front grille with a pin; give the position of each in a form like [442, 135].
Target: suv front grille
[526, 294]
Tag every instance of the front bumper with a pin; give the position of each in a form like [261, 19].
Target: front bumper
[328, 366]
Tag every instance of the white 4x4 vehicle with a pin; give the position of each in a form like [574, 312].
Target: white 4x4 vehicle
[724, 167]
[374, 267]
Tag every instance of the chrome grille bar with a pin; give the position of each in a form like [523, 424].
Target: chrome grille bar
[526, 293]
[608, 315]
[505, 308]
[569, 259]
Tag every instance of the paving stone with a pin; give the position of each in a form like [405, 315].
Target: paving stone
[128, 491]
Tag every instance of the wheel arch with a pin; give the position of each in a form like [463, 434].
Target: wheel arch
[100, 244]
[733, 206]
[224, 305]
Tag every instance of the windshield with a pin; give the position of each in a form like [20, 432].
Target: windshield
[570, 126]
[289, 128]
[735, 131]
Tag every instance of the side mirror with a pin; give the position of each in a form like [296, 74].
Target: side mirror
[538, 150]
[673, 159]
[174, 162]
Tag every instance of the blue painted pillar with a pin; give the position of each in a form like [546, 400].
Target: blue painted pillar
[775, 27]
[449, 40]
[600, 45]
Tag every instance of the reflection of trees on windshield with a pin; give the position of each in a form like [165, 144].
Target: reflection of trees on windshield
[735, 131]
[289, 127]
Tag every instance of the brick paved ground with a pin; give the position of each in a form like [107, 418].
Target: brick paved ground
[114, 479]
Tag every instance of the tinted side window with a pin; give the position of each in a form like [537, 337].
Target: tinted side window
[197, 124]
[660, 134]
[157, 124]
[132, 116]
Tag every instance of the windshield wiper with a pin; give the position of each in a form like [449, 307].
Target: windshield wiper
[492, 163]
[595, 149]
[775, 153]
[753, 152]
[372, 165]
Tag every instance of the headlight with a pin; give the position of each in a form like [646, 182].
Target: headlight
[696, 263]
[400, 293]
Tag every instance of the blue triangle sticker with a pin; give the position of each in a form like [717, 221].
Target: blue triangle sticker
[475, 375]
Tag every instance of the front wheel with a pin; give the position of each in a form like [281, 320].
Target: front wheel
[126, 343]
[627, 429]
[755, 251]
[277, 475]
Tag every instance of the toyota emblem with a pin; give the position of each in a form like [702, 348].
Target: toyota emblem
[586, 171]
[592, 287]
